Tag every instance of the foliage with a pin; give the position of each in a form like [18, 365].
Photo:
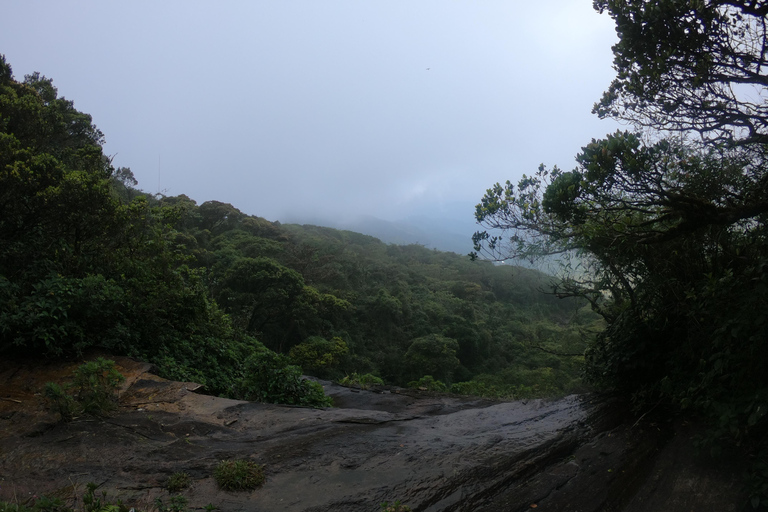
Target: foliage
[62, 402]
[93, 390]
[395, 507]
[178, 481]
[95, 385]
[428, 383]
[433, 354]
[239, 475]
[364, 381]
[316, 354]
[664, 233]
[92, 502]
[178, 503]
[87, 260]
[686, 66]
[269, 377]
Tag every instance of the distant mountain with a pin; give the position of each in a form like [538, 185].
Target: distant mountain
[447, 229]
[451, 232]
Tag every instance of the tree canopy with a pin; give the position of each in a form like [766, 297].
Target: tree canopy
[662, 228]
[690, 66]
[240, 304]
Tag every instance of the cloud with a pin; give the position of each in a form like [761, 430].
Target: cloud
[280, 107]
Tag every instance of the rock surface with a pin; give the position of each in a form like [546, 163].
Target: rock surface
[432, 453]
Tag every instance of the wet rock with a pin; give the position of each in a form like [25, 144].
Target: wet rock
[433, 453]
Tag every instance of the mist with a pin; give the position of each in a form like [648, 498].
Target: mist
[326, 111]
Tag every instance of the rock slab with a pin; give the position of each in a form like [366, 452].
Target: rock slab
[432, 453]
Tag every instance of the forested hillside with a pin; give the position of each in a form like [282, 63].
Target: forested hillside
[340, 303]
[238, 303]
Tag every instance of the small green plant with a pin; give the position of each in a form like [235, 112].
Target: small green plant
[61, 402]
[365, 381]
[178, 481]
[395, 507]
[239, 475]
[177, 504]
[95, 386]
[13, 507]
[93, 390]
[93, 502]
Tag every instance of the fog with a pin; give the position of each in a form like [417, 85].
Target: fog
[293, 110]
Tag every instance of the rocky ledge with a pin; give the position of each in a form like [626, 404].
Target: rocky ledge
[432, 453]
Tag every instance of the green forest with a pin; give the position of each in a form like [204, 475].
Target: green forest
[242, 305]
[660, 230]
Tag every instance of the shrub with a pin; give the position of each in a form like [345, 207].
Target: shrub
[95, 386]
[177, 504]
[365, 381]
[177, 482]
[239, 475]
[62, 403]
[268, 377]
[93, 390]
[395, 507]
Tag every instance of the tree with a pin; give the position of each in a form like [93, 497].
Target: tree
[690, 66]
[55, 200]
[433, 355]
[260, 291]
[663, 229]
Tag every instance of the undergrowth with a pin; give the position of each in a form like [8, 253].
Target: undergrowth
[93, 391]
[239, 475]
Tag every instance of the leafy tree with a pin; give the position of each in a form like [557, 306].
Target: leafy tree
[317, 354]
[260, 291]
[690, 66]
[433, 355]
[85, 260]
[663, 230]
[217, 216]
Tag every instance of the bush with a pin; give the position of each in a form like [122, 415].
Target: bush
[177, 482]
[95, 386]
[239, 475]
[93, 390]
[270, 378]
[365, 381]
[395, 507]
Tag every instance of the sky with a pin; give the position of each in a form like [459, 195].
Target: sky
[333, 108]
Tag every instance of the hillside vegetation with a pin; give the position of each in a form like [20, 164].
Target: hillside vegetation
[669, 220]
[239, 304]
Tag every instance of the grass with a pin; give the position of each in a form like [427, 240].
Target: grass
[177, 482]
[395, 507]
[239, 475]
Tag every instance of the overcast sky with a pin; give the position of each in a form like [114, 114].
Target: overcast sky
[326, 107]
